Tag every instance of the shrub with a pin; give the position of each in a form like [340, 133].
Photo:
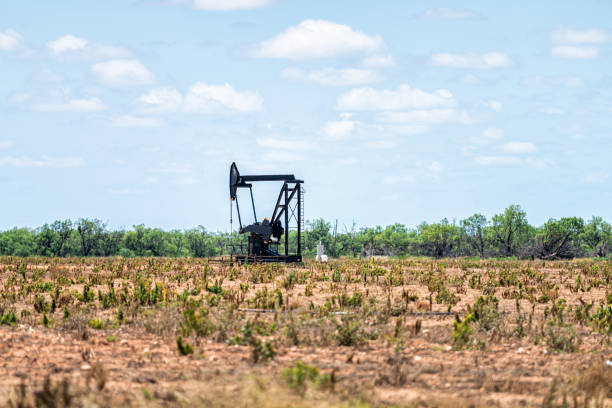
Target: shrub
[96, 324]
[296, 376]
[8, 318]
[347, 332]
[183, 347]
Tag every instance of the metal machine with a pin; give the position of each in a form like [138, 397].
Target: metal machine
[266, 236]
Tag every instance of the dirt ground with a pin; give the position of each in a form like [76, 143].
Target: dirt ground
[379, 332]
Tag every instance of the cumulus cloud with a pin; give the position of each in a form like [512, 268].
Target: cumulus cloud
[161, 99]
[405, 97]
[519, 147]
[70, 46]
[130, 121]
[200, 98]
[398, 180]
[571, 36]
[73, 105]
[597, 177]
[122, 73]
[543, 81]
[67, 43]
[477, 61]
[5, 144]
[9, 40]
[498, 160]
[551, 111]
[281, 156]
[435, 169]
[333, 76]
[286, 144]
[43, 162]
[495, 105]
[207, 98]
[429, 116]
[339, 129]
[225, 5]
[317, 39]
[574, 52]
[449, 13]
[378, 61]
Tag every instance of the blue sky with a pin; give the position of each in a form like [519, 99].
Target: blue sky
[391, 111]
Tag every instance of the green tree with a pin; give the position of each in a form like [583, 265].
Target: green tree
[560, 238]
[510, 230]
[439, 239]
[597, 237]
[90, 234]
[474, 230]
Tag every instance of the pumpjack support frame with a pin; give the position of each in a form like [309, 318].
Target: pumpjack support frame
[270, 232]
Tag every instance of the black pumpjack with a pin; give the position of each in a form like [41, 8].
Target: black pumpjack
[265, 237]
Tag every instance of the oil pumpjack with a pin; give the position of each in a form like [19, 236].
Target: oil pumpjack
[266, 236]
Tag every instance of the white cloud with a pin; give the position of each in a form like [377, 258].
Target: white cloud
[339, 129]
[67, 43]
[498, 160]
[43, 162]
[435, 168]
[5, 144]
[430, 116]
[495, 105]
[317, 39]
[333, 76]
[161, 100]
[70, 46]
[512, 161]
[9, 40]
[379, 144]
[573, 52]
[122, 73]
[378, 61]
[542, 81]
[571, 36]
[408, 129]
[287, 144]
[278, 156]
[449, 13]
[224, 5]
[519, 147]
[405, 97]
[206, 98]
[73, 105]
[130, 121]
[482, 61]
[551, 111]
[492, 134]
[471, 79]
[200, 98]
[597, 177]
[398, 180]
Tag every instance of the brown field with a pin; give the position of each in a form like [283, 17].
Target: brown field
[351, 333]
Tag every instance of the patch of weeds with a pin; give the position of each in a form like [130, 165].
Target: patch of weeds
[482, 317]
[297, 376]
[96, 324]
[183, 347]
[347, 332]
[111, 339]
[196, 321]
[41, 305]
[8, 318]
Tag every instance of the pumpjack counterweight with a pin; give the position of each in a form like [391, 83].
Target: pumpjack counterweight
[266, 236]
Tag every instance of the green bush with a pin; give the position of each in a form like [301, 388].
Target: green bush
[183, 347]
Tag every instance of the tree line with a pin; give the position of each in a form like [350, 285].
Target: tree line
[507, 234]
